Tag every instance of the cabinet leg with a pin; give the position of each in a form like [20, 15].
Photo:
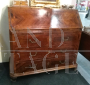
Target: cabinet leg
[13, 79]
[75, 70]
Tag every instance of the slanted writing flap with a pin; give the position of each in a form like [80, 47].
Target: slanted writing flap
[65, 18]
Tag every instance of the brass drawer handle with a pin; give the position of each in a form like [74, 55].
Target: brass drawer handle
[34, 54]
[32, 41]
[49, 52]
[62, 62]
[31, 66]
[48, 14]
[66, 39]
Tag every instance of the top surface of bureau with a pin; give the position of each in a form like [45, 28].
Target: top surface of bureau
[31, 18]
[43, 18]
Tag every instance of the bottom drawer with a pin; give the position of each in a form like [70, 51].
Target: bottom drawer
[32, 66]
[28, 66]
[68, 60]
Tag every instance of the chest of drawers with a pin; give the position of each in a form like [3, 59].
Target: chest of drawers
[43, 39]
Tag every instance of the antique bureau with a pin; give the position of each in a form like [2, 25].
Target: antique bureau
[43, 39]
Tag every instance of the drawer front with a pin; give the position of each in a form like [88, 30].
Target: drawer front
[62, 61]
[42, 40]
[61, 55]
[26, 66]
[24, 56]
[32, 66]
[51, 60]
[25, 40]
[67, 39]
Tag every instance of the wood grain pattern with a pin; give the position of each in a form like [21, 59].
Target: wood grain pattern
[24, 56]
[32, 18]
[67, 39]
[42, 70]
[70, 42]
[65, 19]
[30, 65]
[47, 25]
[27, 40]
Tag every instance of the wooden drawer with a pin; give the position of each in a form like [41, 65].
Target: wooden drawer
[65, 49]
[24, 56]
[67, 39]
[24, 40]
[61, 55]
[52, 60]
[26, 66]
[32, 66]
[62, 61]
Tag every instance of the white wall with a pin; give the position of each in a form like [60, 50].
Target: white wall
[4, 30]
[62, 2]
[83, 68]
[68, 2]
[85, 21]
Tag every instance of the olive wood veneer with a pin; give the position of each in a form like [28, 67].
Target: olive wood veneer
[38, 33]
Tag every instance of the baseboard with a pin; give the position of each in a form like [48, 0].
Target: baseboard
[84, 73]
[83, 67]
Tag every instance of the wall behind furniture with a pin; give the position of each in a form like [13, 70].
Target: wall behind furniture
[4, 27]
[4, 31]
[85, 21]
[62, 2]
[68, 2]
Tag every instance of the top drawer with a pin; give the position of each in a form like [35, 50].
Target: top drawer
[68, 39]
[36, 39]
[26, 17]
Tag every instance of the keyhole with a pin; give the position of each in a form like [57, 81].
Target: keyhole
[11, 14]
[20, 3]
